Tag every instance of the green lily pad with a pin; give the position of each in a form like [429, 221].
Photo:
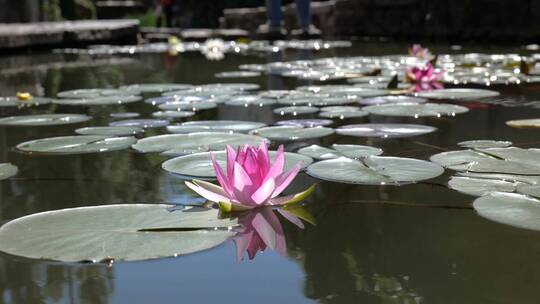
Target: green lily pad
[199, 165]
[296, 110]
[530, 190]
[480, 186]
[375, 170]
[524, 123]
[458, 94]
[237, 74]
[155, 87]
[98, 101]
[43, 119]
[76, 144]
[7, 170]
[194, 142]
[527, 179]
[187, 106]
[416, 110]
[173, 114]
[509, 160]
[340, 108]
[109, 131]
[350, 151]
[91, 93]
[512, 209]
[292, 133]
[482, 144]
[13, 101]
[384, 130]
[113, 232]
[249, 100]
[343, 114]
[215, 126]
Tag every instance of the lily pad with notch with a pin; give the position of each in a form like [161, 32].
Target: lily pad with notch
[114, 232]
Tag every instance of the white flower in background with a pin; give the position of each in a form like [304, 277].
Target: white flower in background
[214, 49]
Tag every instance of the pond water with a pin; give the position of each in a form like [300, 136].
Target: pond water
[370, 244]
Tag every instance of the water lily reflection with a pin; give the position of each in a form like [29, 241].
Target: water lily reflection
[261, 228]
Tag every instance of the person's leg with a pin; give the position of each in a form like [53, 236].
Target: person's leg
[303, 9]
[274, 13]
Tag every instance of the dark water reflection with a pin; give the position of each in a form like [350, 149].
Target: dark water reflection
[359, 251]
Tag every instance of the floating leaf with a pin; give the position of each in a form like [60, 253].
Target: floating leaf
[109, 131]
[194, 142]
[494, 160]
[512, 209]
[43, 119]
[237, 74]
[119, 232]
[92, 93]
[124, 115]
[7, 170]
[305, 123]
[141, 123]
[76, 144]
[286, 133]
[480, 186]
[98, 101]
[524, 123]
[199, 165]
[351, 151]
[530, 190]
[416, 110]
[391, 100]
[375, 170]
[215, 126]
[173, 114]
[155, 87]
[384, 130]
[296, 110]
[343, 114]
[187, 106]
[13, 101]
[339, 108]
[481, 144]
[249, 100]
[458, 94]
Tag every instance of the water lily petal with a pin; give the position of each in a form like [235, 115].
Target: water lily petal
[277, 167]
[222, 179]
[231, 156]
[213, 194]
[283, 180]
[263, 159]
[242, 185]
[264, 192]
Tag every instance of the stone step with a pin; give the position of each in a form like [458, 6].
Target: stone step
[67, 33]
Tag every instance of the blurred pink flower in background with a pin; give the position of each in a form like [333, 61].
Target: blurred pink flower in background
[424, 78]
[416, 50]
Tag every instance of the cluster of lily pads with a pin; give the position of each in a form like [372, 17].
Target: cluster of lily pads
[303, 115]
[505, 178]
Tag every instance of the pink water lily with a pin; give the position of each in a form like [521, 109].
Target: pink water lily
[424, 78]
[250, 180]
[416, 50]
